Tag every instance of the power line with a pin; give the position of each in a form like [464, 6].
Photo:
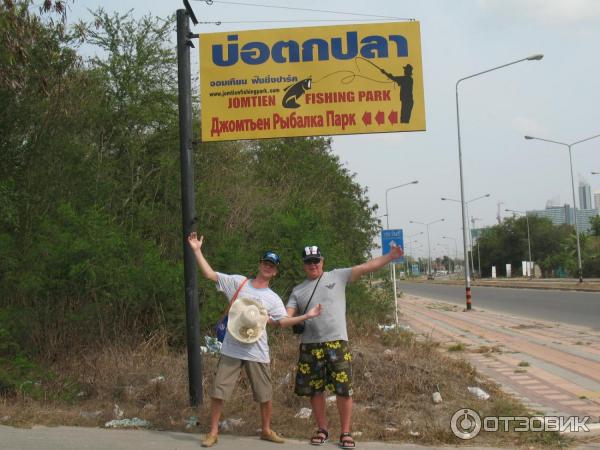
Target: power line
[210, 2]
[220, 22]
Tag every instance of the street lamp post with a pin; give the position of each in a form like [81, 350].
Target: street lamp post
[446, 248]
[478, 261]
[579, 266]
[455, 250]
[387, 222]
[468, 226]
[473, 219]
[387, 214]
[462, 184]
[411, 248]
[408, 242]
[530, 262]
[428, 242]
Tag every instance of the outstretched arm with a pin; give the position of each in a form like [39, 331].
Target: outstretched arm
[196, 244]
[293, 320]
[375, 263]
[387, 74]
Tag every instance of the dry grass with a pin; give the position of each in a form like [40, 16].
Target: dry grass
[485, 349]
[458, 347]
[392, 391]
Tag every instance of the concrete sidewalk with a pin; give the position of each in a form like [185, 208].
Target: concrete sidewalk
[78, 438]
[554, 368]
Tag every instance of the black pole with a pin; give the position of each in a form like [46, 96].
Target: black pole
[188, 207]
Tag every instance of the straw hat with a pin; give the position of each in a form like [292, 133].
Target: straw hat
[247, 320]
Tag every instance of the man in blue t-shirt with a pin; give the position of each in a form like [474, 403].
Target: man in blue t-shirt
[253, 357]
[324, 360]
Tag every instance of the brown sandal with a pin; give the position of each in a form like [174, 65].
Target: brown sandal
[319, 440]
[346, 441]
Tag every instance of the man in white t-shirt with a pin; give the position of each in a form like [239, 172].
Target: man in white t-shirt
[252, 357]
[324, 361]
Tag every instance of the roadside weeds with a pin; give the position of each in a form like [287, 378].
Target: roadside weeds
[395, 375]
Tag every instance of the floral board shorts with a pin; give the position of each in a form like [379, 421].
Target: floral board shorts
[324, 365]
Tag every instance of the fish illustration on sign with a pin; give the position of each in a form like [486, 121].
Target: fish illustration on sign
[294, 92]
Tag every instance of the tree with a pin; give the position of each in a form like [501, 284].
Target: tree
[89, 190]
[595, 223]
[80, 245]
[507, 243]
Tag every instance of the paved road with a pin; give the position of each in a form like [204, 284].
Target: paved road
[575, 308]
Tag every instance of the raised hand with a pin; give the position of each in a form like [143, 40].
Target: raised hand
[314, 311]
[194, 242]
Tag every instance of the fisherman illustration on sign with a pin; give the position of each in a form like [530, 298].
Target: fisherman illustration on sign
[405, 82]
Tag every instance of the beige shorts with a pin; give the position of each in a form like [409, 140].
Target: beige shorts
[228, 372]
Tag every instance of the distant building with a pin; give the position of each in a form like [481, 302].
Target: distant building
[583, 219]
[597, 199]
[585, 196]
[560, 215]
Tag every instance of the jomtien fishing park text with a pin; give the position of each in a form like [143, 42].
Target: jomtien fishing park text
[256, 52]
[316, 98]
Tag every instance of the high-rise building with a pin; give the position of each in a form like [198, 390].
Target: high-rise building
[597, 199]
[564, 215]
[585, 196]
[559, 215]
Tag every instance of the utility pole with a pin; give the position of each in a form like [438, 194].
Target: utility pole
[188, 202]
[473, 219]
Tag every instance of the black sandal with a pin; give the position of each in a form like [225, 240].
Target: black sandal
[319, 440]
[346, 441]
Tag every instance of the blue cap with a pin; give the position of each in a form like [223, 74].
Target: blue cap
[271, 257]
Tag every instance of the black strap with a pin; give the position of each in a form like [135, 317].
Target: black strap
[311, 295]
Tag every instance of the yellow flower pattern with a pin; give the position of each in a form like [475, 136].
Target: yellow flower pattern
[317, 384]
[325, 365]
[304, 368]
[318, 353]
[341, 377]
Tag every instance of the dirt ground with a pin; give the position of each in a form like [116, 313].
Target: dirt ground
[395, 374]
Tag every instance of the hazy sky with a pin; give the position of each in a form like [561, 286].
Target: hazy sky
[557, 98]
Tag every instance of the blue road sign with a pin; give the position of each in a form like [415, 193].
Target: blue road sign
[415, 269]
[389, 238]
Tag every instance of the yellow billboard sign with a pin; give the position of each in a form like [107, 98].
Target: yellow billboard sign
[311, 81]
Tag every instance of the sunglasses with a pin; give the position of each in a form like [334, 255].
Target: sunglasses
[312, 261]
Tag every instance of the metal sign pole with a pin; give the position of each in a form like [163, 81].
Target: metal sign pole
[393, 265]
[188, 206]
